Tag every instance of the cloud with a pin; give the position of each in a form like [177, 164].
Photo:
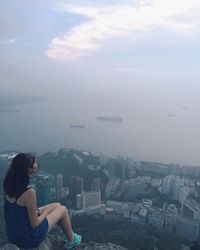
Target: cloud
[120, 20]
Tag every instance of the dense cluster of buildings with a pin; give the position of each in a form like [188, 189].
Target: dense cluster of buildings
[176, 182]
[175, 187]
[128, 182]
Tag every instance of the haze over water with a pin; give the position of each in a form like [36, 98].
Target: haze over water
[86, 63]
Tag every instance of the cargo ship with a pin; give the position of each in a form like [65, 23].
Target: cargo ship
[77, 126]
[109, 119]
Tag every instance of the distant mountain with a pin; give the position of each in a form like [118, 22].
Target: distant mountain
[72, 162]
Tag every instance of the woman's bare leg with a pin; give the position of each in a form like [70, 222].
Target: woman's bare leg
[50, 207]
[60, 216]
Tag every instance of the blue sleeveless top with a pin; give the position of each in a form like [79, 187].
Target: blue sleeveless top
[18, 227]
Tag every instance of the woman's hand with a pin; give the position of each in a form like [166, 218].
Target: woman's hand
[39, 211]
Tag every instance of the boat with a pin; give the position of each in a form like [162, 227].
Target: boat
[109, 119]
[77, 126]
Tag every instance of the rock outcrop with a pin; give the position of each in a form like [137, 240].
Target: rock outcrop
[53, 243]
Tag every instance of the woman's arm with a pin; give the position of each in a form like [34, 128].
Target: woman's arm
[30, 202]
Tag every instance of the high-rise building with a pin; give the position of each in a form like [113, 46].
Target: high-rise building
[179, 191]
[126, 211]
[112, 167]
[170, 215]
[79, 201]
[166, 185]
[88, 200]
[121, 168]
[183, 193]
[91, 199]
[43, 185]
[103, 158]
[190, 208]
[59, 186]
[174, 186]
[96, 185]
[188, 228]
[76, 187]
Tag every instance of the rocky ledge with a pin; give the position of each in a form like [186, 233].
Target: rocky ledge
[53, 243]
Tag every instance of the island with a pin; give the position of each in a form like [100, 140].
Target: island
[109, 119]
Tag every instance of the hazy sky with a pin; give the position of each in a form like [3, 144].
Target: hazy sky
[140, 56]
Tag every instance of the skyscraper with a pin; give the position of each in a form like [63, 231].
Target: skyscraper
[120, 168]
[43, 185]
[76, 187]
[96, 185]
[59, 186]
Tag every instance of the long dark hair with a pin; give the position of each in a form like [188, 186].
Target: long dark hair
[17, 178]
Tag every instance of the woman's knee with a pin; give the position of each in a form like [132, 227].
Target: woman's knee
[64, 209]
[56, 204]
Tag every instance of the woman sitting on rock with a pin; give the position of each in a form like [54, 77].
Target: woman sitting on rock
[27, 226]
